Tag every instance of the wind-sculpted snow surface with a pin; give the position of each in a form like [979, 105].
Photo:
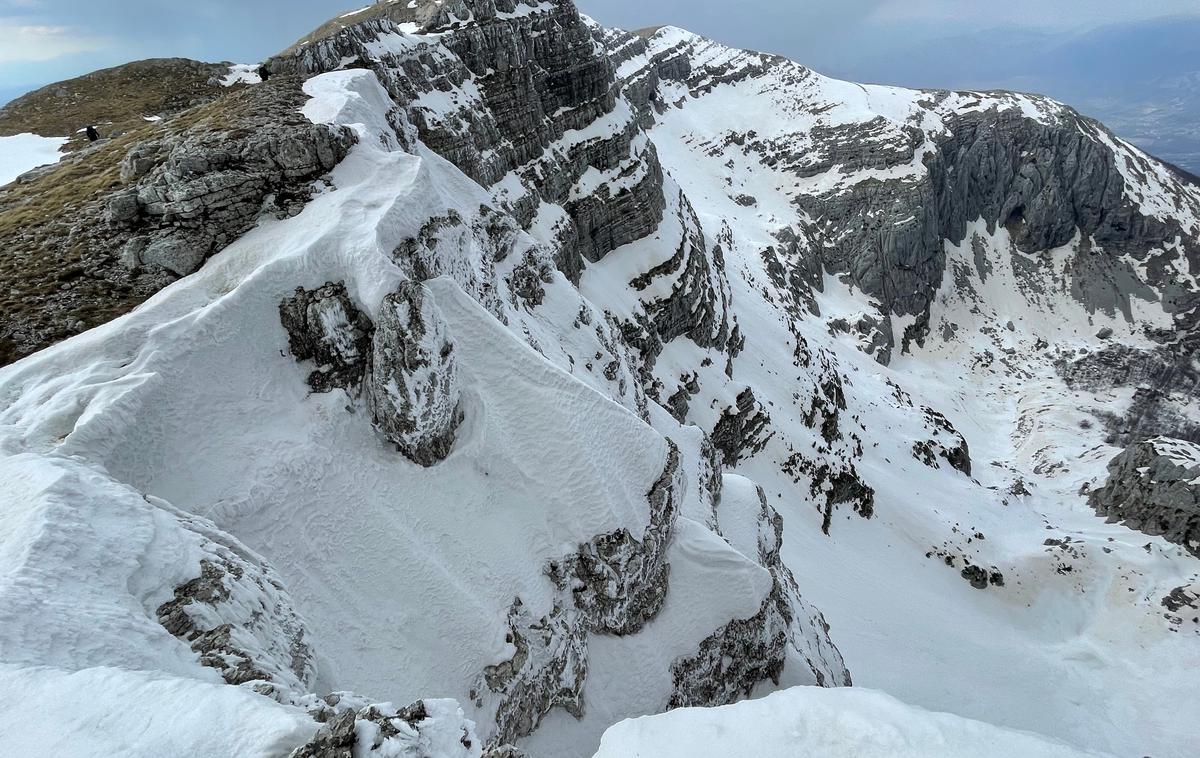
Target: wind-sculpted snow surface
[609, 373]
[264, 397]
[844, 723]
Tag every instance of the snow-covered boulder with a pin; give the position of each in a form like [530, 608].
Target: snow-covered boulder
[412, 384]
[324, 326]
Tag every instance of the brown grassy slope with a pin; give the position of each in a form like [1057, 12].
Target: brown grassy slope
[115, 100]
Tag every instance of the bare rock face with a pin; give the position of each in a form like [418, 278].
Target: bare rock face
[743, 429]
[734, 659]
[425, 728]
[1154, 487]
[945, 443]
[618, 581]
[190, 194]
[873, 334]
[547, 670]
[324, 326]
[412, 384]
[832, 483]
[698, 304]
[239, 618]
[1163, 383]
[535, 73]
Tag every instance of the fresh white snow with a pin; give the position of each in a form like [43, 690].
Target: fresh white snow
[24, 152]
[1075, 644]
[242, 73]
[823, 723]
[188, 408]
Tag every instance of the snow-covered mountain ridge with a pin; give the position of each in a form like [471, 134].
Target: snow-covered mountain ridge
[593, 368]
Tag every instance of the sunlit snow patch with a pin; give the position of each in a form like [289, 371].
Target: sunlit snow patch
[242, 73]
[831, 723]
[23, 152]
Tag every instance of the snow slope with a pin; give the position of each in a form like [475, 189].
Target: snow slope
[139, 714]
[24, 152]
[1075, 644]
[829, 723]
[186, 417]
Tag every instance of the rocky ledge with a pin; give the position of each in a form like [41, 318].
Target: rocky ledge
[94, 236]
[1154, 487]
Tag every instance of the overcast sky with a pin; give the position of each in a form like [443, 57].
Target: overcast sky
[48, 40]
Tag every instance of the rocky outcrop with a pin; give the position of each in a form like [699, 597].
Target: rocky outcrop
[188, 195]
[427, 728]
[94, 236]
[828, 400]
[412, 385]
[238, 618]
[946, 443]
[614, 584]
[468, 250]
[1045, 182]
[1154, 487]
[981, 578]
[547, 670]
[507, 98]
[805, 626]
[698, 305]
[743, 429]
[325, 327]
[894, 190]
[832, 482]
[734, 659]
[1163, 382]
[872, 333]
[619, 581]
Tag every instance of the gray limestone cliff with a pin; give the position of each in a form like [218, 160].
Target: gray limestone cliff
[186, 196]
[1037, 169]
[1154, 487]
[535, 109]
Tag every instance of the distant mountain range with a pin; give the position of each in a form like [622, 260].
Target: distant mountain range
[1142, 79]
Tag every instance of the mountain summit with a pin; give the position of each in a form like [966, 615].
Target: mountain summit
[470, 378]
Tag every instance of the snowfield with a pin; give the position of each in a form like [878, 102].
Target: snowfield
[25, 152]
[184, 421]
[829, 723]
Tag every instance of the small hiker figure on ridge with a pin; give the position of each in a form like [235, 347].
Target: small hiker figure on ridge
[92, 134]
